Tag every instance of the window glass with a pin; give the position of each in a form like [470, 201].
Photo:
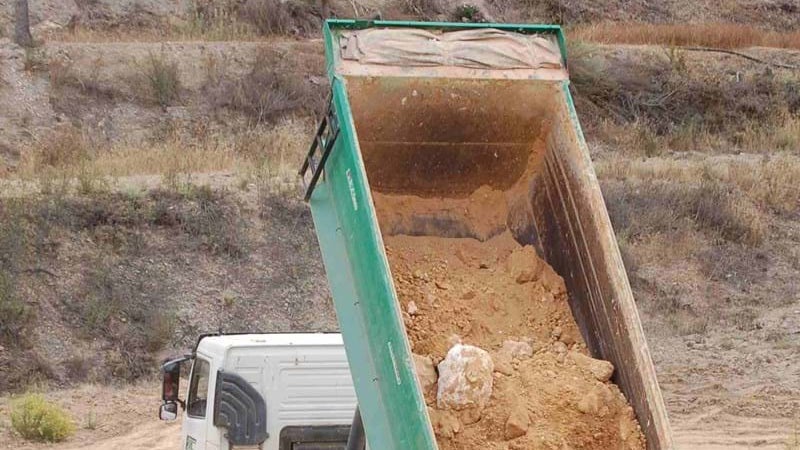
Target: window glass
[198, 389]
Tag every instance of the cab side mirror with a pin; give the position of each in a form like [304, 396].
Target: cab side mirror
[170, 388]
[168, 411]
[171, 378]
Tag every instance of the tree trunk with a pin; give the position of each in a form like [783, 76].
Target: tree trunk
[326, 9]
[22, 25]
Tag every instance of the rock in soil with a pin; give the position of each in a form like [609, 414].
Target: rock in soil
[465, 378]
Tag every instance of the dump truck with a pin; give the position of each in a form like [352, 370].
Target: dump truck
[437, 137]
[437, 112]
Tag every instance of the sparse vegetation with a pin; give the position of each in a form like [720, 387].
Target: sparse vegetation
[213, 219]
[36, 419]
[216, 20]
[15, 314]
[265, 155]
[467, 12]
[159, 330]
[102, 302]
[77, 368]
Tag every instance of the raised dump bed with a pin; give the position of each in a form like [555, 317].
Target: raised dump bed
[445, 140]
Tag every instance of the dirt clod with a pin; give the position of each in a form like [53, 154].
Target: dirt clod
[601, 370]
[426, 374]
[517, 423]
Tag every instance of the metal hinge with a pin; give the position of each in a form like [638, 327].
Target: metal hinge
[324, 141]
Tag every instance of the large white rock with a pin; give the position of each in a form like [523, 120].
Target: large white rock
[465, 378]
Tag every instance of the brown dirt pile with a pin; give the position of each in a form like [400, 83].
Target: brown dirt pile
[500, 296]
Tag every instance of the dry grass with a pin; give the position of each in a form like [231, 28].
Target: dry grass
[642, 209]
[782, 134]
[267, 156]
[769, 182]
[64, 146]
[719, 35]
[793, 441]
[732, 198]
[214, 20]
[639, 138]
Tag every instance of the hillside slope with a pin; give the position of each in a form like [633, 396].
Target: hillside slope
[147, 194]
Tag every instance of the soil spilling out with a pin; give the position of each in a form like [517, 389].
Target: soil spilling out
[469, 291]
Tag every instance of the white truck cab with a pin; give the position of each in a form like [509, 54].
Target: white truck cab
[266, 391]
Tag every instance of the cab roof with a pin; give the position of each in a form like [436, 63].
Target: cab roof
[222, 343]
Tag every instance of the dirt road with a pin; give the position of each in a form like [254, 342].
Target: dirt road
[125, 418]
[730, 432]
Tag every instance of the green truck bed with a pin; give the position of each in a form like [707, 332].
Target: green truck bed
[567, 221]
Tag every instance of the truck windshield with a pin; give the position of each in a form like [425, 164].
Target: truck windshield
[198, 389]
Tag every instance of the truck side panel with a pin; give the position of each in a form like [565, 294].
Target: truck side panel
[394, 412]
[579, 242]
[302, 385]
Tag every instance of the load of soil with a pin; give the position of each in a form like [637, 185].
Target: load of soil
[491, 292]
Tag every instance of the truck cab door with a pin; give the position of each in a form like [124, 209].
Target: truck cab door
[198, 406]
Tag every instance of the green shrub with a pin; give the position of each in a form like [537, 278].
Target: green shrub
[469, 13]
[36, 419]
